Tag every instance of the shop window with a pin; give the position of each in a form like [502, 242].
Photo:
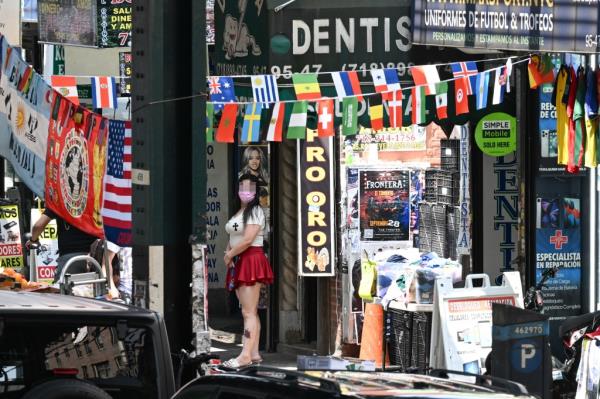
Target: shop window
[57, 358]
[84, 371]
[67, 353]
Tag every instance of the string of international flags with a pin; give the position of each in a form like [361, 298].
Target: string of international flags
[466, 78]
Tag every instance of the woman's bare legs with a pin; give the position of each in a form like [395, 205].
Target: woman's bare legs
[248, 296]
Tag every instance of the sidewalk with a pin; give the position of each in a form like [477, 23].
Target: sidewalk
[228, 345]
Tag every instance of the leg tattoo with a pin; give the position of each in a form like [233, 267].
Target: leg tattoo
[247, 333]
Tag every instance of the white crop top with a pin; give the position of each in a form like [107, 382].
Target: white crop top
[235, 227]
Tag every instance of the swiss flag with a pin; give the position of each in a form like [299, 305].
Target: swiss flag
[325, 124]
[461, 86]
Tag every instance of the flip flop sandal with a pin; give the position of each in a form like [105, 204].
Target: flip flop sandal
[258, 360]
[233, 363]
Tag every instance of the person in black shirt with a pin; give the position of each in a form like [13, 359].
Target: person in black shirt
[71, 242]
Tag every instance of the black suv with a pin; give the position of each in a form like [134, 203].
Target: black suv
[270, 383]
[57, 346]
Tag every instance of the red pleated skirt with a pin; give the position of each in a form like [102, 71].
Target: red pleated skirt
[251, 267]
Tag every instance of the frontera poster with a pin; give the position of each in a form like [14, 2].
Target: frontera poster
[384, 205]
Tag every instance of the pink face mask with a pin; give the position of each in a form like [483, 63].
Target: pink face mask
[246, 196]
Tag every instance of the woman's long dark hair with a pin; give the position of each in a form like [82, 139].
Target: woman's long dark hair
[255, 203]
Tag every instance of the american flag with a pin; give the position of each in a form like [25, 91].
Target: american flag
[116, 212]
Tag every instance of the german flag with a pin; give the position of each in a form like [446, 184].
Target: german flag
[376, 112]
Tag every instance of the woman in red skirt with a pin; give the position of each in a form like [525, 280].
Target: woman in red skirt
[251, 269]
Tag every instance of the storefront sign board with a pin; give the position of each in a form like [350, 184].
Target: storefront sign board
[545, 25]
[464, 233]
[316, 206]
[500, 204]
[67, 22]
[496, 134]
[125, 66]
[11, 251]
[114, 23]
[45, 259]
[405, 139]
[217, 213]
[10, 21]
[463, 318]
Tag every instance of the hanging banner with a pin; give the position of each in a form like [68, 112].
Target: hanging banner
[384, 205]
[558, 243]
[463, 244]
[45, 258]
[125, 66]
[11, 251]
[24, 114]
[67, 22]
[316, 210]
[75, 165]
[547, 25]
[496, 134]
[114, 23]
[10, 21]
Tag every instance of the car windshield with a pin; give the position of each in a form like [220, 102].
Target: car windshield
[121, 363]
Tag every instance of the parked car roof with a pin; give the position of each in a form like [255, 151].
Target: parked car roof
[353, 384]
[23, 302]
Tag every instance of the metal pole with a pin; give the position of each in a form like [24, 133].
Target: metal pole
[593, 299]
[198, 239]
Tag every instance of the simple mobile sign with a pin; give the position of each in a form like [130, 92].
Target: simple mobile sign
[496, 134]
[316, 253]
[548, 25]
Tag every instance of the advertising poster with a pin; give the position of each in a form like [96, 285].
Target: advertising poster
[496, 134]
[558, 244]
[384, 205]
[11, 251]
[469, 326]
[67, 22]
[125, 66]
[550, 26]
[316, 208]
[114, 23]
[45, 259]
[24, 117]
[409, 138]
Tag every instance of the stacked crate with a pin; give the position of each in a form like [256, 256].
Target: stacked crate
[438, 229]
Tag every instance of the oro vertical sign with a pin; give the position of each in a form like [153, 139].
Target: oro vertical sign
[315, 206]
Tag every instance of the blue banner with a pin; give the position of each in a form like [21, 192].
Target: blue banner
[25, 100]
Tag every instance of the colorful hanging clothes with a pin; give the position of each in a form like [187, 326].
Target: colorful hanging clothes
[562, 122]
[591, 119]
[571, 168]
[578, 118]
